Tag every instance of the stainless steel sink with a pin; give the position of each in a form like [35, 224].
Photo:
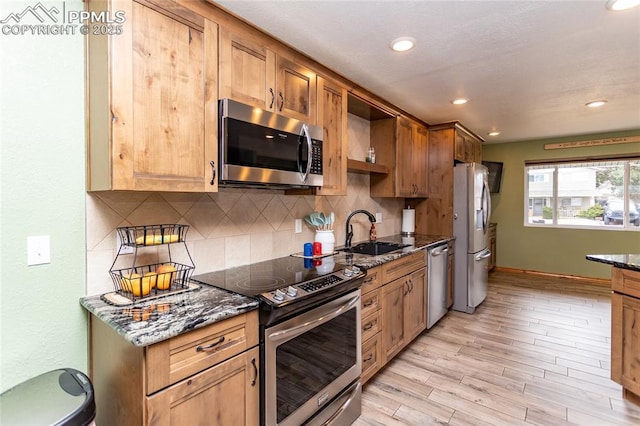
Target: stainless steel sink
[374, 248]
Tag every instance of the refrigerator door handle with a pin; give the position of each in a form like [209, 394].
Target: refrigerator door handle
[483, 255]
[486, 205]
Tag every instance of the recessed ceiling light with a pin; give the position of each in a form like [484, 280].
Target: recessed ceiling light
[402, 44]
[494, 133]
[617, 5]
[460, 101]
[596, 104]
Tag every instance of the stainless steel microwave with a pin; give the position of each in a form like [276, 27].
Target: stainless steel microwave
[263, 149]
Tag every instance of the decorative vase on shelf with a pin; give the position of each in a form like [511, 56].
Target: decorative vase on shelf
[327, 239]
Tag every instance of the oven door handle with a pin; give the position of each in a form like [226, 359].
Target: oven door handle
[322, 316]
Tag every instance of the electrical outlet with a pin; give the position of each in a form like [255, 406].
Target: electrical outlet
[298, 226]
[38, 250]
[120, 249]
[378, 217]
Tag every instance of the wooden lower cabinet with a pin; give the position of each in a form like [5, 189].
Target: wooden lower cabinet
[206, 376]
[625, 332]
[404, 308]
[493, 245]
[371, 324]
[223, 395]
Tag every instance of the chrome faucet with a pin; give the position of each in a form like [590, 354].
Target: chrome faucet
[349, 227]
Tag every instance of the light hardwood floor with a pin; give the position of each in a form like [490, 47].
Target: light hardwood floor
[535, 352]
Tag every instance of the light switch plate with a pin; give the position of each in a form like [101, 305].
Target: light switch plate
[378, 217]
[38, 250]
[298, 226]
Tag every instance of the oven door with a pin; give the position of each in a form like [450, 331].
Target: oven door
[310, 359]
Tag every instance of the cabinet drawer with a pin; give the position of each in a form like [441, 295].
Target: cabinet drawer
[370, 325]
[370, 302]
[403, 266]
[182, 356]
[372, 280]
[371, 357]
[625, 281]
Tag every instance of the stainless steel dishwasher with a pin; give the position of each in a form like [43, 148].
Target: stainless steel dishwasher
[437, 282]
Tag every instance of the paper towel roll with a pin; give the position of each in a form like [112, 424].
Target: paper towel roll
[408, 221]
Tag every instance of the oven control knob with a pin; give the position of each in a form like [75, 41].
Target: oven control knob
[355, 270]
[292, 291]
[279, 295]
[348, 272]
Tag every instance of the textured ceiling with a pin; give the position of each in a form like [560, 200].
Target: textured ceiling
[527, 67]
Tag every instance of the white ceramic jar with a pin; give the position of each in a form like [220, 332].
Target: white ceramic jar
[327, 239]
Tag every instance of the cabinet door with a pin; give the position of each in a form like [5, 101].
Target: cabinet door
[625, 341]
[393, 317]
[226, 394]
[404, 157]
[420, 153]
[247, 70]
[160, 130]
[415, 304]
[332, 116]
[296, 91]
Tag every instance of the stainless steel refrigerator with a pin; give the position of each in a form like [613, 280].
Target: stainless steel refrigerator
[471, 212]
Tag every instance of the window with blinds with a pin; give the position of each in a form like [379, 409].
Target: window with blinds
[604, 193]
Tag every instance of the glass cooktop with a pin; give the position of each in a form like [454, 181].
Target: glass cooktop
[261, 277]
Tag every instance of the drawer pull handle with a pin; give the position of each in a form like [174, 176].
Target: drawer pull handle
[369, 303]
[255, 372]
[369, 358]
[368, 280]
[369, 326]
[211, 346]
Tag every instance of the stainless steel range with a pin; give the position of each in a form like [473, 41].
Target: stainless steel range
[310, 337]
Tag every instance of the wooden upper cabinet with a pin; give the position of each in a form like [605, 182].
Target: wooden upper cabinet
[247, 70]
[252, 73]
[402, 146]
[468, 148]
[152, 101]
[420, 148]
[332, 117]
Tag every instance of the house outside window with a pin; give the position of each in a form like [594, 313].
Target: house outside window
[593, 194]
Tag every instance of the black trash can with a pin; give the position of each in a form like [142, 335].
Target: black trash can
[59, 397]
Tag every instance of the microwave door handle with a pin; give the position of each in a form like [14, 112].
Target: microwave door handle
[304, 132]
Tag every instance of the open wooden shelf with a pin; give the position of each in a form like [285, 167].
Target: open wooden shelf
[362, 167]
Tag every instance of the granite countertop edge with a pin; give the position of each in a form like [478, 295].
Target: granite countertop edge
[145, 323]
[416, 243]
[630, 261]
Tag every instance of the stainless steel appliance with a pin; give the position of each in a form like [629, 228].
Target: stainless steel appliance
[437, 282]
[310, 337]
[471, 213]
[261, 148]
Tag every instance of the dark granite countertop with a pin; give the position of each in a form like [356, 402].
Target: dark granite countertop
[149, 322]
[152, 321]
[416, 243]
[625, 261]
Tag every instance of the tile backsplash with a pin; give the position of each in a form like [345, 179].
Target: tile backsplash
[232, 227]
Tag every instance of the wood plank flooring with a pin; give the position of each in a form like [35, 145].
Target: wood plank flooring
[536, 352]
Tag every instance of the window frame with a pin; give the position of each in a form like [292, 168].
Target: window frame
[555, 203]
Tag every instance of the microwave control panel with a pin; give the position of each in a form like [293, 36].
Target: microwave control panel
[316, 157]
